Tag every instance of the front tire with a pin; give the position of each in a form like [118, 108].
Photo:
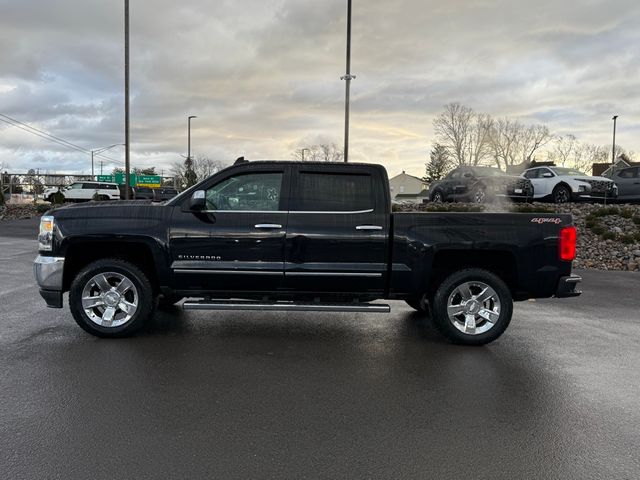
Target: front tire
[111, 298]
[437, 197]
[472, 307]
[561, 194]
[479, 195]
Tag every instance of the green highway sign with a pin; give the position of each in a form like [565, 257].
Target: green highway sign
[134, 180]
[149, 180]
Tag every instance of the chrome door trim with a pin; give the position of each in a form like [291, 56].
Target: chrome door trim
[368, 227]
[225, 272]
[334, 274]
[352, 212]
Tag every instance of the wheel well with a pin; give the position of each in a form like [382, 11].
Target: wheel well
[563, 184]
[500, 262]
[81, 254]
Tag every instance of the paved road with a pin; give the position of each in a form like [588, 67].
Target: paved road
[260, 395]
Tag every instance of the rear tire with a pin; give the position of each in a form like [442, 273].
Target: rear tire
[472, 307]
[111, 298]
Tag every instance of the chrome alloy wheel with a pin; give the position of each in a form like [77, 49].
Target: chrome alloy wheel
[473, 307]
[110, 299]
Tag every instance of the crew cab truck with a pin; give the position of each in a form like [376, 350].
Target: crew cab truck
[299, 236]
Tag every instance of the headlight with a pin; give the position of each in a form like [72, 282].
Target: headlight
[45, 236]
[582, 188]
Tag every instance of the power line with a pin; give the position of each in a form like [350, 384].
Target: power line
[72, 145]
[48, 136]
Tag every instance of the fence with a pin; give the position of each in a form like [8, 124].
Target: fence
[21, 187]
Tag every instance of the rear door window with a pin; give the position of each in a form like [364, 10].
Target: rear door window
[334, 192]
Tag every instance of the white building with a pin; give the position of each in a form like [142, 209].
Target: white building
[406, 185]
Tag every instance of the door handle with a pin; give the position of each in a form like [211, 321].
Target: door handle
[268, 225]
[368, 227]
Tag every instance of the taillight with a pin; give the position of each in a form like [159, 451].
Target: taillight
[567, 245]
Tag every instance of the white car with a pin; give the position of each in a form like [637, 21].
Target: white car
[85, 191]
[562, 185]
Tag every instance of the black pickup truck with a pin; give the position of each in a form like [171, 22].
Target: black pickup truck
[299, 237]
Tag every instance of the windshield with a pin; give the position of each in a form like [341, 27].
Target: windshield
[567, 171]
[487, 171]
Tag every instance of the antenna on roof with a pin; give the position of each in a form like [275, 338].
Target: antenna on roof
[240, 160]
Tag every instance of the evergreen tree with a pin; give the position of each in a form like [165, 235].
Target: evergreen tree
[438, 165]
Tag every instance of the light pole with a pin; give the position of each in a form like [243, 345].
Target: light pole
[189, 136]
[303, 150]
[347, 77]
[100, 150]
[613, 149]
[127, 165]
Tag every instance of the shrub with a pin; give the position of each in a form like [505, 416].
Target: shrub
[609, 236]
[626, 213]
[57, 198]
[598, 229]
[628, 239]
[636, 220]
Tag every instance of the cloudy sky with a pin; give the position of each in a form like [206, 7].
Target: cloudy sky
[263, 75]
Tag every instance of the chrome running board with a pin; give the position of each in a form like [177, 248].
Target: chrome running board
[286, 306]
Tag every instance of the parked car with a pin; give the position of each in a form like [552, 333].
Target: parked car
[163, 194]
[562, 185]
[286, 236]
[85, 191]
[478, 185]
[143, 193]
[628, 183]
[122, 192]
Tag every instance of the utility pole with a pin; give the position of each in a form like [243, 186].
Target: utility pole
[613, 149]
[127, 165]
[347, 77]
[189, 135]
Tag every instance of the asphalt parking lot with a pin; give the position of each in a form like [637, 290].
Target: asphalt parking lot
[260, 395]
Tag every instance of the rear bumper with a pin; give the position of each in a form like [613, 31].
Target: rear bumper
[568, 286]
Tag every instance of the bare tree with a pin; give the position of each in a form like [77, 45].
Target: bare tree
[322, 152]
[465, 134]
[201, 167]
[204, 166]
[513, 143]
[504, 142]
[453, 130]
[565, 148]
[533, 138]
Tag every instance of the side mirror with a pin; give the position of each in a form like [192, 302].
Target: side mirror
[198, 200]
[547, 175]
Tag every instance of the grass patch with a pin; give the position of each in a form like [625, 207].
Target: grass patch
[628, 239]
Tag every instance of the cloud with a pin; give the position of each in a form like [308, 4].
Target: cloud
[263, 75]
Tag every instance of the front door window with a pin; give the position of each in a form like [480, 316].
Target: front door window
[249, 192]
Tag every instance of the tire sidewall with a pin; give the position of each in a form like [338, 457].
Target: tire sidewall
[557, 190]
[441, 296]
[146, 298]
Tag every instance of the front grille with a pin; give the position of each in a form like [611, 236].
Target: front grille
[600, 186]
